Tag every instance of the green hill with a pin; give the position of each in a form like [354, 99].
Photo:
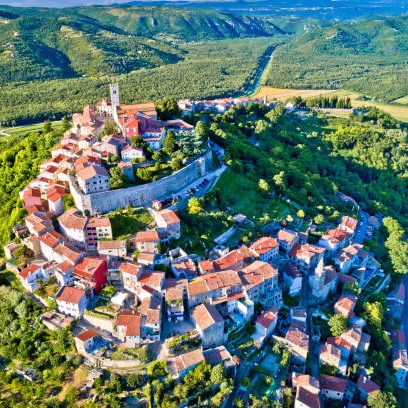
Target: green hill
[370, 57]
[61, 43]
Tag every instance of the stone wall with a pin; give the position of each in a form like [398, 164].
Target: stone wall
[140, 196]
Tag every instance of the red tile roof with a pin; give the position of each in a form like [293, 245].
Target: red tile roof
[367, 385]
[147, 236]
[131, 320]
[206, 315]
[87, 267]
[51, 238]
[91, 171]
[264, 245]
[87, 334]
[70, 295]
[32, 268]
[267, 318]
[332, 383]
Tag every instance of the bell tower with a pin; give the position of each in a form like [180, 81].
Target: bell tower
[114, 94]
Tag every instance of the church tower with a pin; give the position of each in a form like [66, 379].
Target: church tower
[114, 94]
[115, 101]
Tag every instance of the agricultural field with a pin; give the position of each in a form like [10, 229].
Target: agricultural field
[397, 109]
[281, 94]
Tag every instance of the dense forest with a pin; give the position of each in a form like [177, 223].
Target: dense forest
[209, 69]
[39, 44]
[369, 57]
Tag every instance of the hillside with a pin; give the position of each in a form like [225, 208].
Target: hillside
[91, 41]
[369, 57]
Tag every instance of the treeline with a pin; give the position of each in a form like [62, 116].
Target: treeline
[327, 102]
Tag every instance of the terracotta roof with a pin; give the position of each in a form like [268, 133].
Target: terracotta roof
[68, 251]
[257, 272]
[189, 359]
[154, 279]
[131, 320]
[330, 349]
[32, 268]
[398, 338]
[335, 236]
[70, 295]
[111, 244]
[99, 222]
[175, 289]
[51, 238]
[147, 236]
[206, 265]
[91, 171]
[349, 222]
[169, 216]
[307, 398]
[339, 342]
[287, 236]
[73, 219]
[332, 383]
[345, 305]
[230, 261]
[218, 355]
[87, 334]
[292, 270]
[367, 385]
[212, 281]
[87, 267]
[306, 251]
[267, 318]
[146, 257]
[264, 245]
[187, 266]
[297, 337]
[206, 315]
[130, 148]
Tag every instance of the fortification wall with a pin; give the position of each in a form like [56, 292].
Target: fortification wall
[142, 195]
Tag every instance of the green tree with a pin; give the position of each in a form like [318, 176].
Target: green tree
[169, 143]
[300, 214]
[47, 128]
[201, 130]
[264, 186]
[110, 128]
[319, 219]
[117, 179]
[382, 400]
[218, 374]
[137, 141]
[65, 124]
[167, 109]
[176, 164]
[195, 205]
[338, 324]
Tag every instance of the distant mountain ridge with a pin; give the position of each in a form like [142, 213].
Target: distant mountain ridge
[369, 57]
[59, 43]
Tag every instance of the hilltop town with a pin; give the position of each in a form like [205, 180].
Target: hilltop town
[273, 317]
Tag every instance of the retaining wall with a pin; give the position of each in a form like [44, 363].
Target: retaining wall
[141, 196]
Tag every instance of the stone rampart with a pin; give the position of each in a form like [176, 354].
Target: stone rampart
[142, 195]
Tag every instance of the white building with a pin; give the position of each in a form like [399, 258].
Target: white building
[93, 179]
[71, 301]
[131, 152]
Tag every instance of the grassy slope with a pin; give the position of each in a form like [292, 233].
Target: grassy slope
[368, 57]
